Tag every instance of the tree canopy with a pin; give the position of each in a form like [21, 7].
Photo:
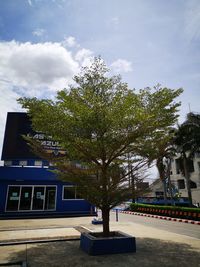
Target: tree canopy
[100, 122]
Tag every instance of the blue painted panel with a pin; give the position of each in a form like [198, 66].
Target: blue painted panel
[112, 245]
[26, 173]
[40, 176]
[3, 193]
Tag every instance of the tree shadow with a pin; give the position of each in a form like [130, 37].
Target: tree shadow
[150, 253]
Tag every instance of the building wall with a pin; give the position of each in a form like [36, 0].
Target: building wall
[30, 177]
[177, 176]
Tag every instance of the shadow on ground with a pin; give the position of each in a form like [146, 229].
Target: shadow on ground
[150, 252]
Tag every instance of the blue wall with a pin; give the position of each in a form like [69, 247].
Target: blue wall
[40, 176]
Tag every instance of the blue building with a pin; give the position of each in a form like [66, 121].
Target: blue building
[28, 187]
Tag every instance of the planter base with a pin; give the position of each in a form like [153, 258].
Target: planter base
[119, 242]
[97, 221]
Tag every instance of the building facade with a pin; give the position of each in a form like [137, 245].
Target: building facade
[178, 180]
[28, 185]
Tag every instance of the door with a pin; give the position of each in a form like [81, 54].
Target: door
[28, 198]
[50, 201]
[13, 198]
[25, 198]
[38, 198]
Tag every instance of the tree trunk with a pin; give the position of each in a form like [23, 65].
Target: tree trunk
[132, 186]
[170, 190]
[106, 221]
[164, 190]
[161, 170]
[187, 178]
[169, 181]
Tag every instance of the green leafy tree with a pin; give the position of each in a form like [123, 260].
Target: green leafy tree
[99, 121]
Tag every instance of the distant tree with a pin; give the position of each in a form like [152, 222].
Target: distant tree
[187, 143]
[99, 121]
[160, 149]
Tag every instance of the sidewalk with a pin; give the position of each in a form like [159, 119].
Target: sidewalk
[154, 247]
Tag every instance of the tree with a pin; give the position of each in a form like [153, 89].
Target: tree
[187, 142]
[99, 121]
[162, 151]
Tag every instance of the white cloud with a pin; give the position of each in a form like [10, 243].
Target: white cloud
[35, 70]
[121, 65]
[39, 32]
[192, 20]
[37, 65]
[84, 57]
[29, 2]
[115, 20]
[70, 42]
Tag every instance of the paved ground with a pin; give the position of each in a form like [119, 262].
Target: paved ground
[154, 247]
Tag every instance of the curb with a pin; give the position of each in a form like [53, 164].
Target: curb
[161, 217]
[35, 241]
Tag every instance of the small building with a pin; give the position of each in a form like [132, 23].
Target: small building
[28, 186]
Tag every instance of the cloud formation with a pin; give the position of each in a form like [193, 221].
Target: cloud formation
[192, 20]
[70, 42]
[84, 57]
[121, 65]
[38, 32]
[36, 65]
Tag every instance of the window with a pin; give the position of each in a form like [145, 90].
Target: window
[23, 163]
[190, 165]
[30, 198]
[38, 163]
[70, 192]
[159, 194]
[178, 166]
[181, 184]
[193, 184]
[197, 154]
[13, 198]
[8, 163]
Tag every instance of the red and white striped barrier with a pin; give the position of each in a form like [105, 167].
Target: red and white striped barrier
[161, 217]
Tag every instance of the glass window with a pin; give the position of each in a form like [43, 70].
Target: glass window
[8, 163]
[38, 163]
[178, 167]
[193, 184]
[181, 184]
[69, 192]
[38, 198]
[23, 163]
[50, 198]
[197, 154]
[190, 164]
[25, 198]
[13, 198]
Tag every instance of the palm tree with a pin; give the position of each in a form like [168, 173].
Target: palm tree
[159, 150]
[163, 152]
[187, 143]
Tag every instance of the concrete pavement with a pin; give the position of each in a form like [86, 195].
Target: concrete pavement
[154, 247]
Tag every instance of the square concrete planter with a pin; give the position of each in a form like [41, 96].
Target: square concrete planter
[95, 244]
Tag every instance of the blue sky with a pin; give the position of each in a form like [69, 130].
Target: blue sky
[43, 43]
